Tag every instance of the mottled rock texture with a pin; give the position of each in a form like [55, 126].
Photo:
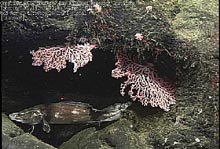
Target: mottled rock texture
[186, 32]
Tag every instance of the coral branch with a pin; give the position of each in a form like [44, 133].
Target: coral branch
[145, 86]
[56, 57]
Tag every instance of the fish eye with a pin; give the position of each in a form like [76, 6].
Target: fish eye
[123, 106]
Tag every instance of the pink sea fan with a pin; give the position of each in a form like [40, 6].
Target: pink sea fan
[56, 57]
[145, 86]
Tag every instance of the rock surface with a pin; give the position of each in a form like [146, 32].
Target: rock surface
[14, 137]
[192, 123]
[117, 135]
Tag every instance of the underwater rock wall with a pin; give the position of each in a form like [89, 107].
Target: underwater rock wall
[185, 31]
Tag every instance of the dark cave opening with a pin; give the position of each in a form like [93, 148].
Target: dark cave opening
[24, 85]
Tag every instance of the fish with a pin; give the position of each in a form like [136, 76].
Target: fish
[67, 112]
[113, 112]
